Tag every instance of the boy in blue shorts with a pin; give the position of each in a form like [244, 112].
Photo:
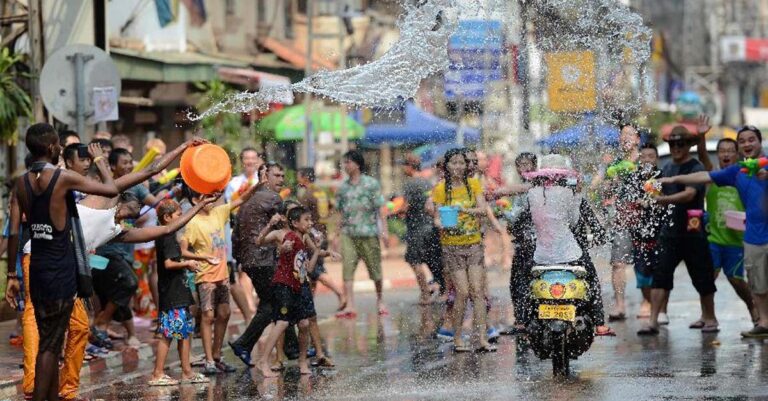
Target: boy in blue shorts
[725, 244]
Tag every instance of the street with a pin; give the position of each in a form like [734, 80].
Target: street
[395, 358]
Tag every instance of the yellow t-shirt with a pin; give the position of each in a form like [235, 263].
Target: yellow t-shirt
[467, 231]
[205, 235]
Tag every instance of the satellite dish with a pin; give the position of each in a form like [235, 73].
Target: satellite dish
[58, 83]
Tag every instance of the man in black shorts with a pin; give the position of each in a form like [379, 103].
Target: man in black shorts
[421, 237]
[683, 238]
[43, 194]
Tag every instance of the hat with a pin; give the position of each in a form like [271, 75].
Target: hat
[680, 133]
[553, 166]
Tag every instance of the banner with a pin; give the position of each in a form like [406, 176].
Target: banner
[571, 83]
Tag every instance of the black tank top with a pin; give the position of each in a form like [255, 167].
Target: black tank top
[53, 267]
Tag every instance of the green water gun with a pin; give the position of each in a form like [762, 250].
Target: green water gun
[752, 166]
[620, 168]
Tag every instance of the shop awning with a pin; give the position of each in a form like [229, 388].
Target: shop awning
[297, 58]
[289, 124]
[419, 127]
[169, 66]
[586, 131]
[252, 79]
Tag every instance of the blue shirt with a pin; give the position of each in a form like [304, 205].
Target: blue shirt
[752, 192]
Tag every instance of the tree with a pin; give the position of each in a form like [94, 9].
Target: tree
[224, 129]
[14, 101]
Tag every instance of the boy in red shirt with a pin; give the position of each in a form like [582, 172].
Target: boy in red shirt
[292, 303]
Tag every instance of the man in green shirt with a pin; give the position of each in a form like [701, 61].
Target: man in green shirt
[725, 244]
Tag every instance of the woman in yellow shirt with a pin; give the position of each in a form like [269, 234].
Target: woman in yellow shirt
[462, 244]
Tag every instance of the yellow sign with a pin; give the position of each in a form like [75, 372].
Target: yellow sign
[558, 312]
[571, 81]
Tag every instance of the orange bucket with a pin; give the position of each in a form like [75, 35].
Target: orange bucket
[206, 168]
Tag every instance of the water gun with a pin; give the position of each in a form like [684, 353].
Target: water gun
[285, 193]
[502, 205]
[652, 187]
[620, 168]
[752, 166]
[168, 177]
[148, 158]
[395, 205]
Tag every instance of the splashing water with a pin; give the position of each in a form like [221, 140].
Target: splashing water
[606, 27]
[395, 77]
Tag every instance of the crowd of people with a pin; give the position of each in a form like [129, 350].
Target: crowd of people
[94, 238]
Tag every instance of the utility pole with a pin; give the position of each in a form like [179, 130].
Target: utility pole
[309, 152]
[36, 55]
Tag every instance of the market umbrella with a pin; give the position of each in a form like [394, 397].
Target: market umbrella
[289, 124]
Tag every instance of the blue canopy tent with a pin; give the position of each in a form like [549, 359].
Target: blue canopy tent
[419, 127]
[587, 130]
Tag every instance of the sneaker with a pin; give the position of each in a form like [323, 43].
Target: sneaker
[444, 335]
[225, 367]
[100, 338]
[756, 332]
[241, 353]
[663, 319]
[210, 368]
[493, 335]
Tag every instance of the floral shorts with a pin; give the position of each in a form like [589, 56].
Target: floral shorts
[177, 324]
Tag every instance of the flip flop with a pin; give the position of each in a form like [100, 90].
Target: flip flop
[196, 379]
[697, 325]
[165, 380]
[342, 306]
[648, 331]
[323, 362]
[714, 328]
[346, 315]
[486, 349]
[461, 349]
[617, 317]
[278, 367]
[608, 332]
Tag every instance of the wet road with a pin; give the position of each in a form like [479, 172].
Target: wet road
[395, 358]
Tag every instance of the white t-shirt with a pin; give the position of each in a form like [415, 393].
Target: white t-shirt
[554, 210]
[150, 222]
[98, 227]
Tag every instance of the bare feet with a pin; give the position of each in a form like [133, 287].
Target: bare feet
[383, 311]
[342, 303]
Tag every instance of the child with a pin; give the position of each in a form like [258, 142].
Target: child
[175, 297]
[204, 240]
[292, 298]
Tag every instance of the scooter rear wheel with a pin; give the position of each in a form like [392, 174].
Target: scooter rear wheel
[560, 359]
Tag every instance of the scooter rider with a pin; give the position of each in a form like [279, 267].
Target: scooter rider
[561, 230]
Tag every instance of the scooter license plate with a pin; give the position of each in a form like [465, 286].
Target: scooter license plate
[558, 312]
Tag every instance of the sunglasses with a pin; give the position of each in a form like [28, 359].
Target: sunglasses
[678, 144]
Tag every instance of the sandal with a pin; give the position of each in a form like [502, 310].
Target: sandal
[342, 305]
[323, 362]
[605, 331]
[461, 348]
[618, 317]
[164, 380]
[346, 315]
[648, 331]
[699, 324]
[486, 349]
[198, 378]
[277, 367]
[712, 328]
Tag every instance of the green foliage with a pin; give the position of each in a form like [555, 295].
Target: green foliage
[223, 129]
[14, 101]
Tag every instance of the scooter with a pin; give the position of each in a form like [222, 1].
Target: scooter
[560, 328]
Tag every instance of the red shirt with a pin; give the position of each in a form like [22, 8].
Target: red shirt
[292, 265]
